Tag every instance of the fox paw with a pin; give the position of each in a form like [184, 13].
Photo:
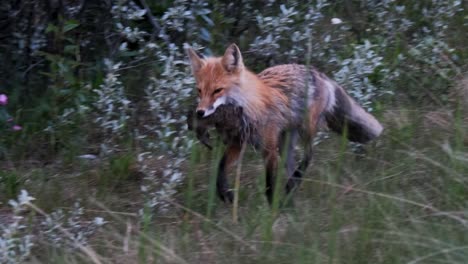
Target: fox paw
[226, 195]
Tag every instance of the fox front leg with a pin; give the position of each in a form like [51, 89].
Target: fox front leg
[231, 155]
[270, 155]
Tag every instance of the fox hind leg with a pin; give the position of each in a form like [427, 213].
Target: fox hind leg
[314, 118]
[295, 178]
[288, 141]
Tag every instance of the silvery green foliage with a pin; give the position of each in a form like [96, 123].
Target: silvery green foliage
[123, 13]
[182, 17]
[132, 34]
[159, 189]
[15, 240]
[288, 34]
[429, 47]
[60, 229]
[439, 14]
[355, 71]
[111, 105]
[123, 10]
[390, 19]
[177, 16]
[275, 28]
[435, 56]
[167, 95]
[69, 229]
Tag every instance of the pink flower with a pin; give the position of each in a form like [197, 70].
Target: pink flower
[3, 99]
[17, 128]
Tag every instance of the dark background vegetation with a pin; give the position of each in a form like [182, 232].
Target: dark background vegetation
[101, 89]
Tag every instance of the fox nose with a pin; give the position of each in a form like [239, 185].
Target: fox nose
[200, 113]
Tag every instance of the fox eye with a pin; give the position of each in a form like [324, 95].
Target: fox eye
[199, 91]
[217, 90]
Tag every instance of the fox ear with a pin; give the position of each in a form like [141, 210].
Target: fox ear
[196, 61]
[232, 59]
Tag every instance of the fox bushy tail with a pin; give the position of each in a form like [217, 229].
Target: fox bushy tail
[347, 115]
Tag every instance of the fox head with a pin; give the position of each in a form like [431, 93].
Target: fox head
[215, 78]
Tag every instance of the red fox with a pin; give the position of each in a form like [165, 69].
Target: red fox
[271, 110]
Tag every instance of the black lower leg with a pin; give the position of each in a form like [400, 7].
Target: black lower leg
[221, 183]
[270, 189]
[295, 179]
[271, 167]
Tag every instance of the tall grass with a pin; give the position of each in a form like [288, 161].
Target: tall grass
[403, 201]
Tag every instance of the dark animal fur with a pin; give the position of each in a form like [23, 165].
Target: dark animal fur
[228, 120]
